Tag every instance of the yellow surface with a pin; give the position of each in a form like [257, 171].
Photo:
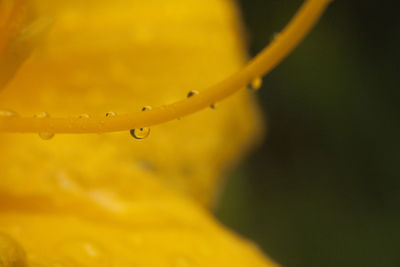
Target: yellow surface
[110, 200]
[119, 56]
[107, 231]
[265, 61]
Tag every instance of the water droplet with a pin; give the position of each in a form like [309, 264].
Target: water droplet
[44, 135]
[255, 84]
[141, 133]
[7, 113]
[110, 114]
[41, 115]
[84, 116]
[146, 108]
[192, 93]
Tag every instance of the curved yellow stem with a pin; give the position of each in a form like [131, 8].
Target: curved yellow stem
[264, 62]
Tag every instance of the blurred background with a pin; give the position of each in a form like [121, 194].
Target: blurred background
[323, 189]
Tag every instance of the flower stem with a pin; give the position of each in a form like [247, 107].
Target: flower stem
[263, 63]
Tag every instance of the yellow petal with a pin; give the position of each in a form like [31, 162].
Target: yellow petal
[109, 231]
[118, 56]
[110, 200]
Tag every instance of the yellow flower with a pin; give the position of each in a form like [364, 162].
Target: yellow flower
[110, 200]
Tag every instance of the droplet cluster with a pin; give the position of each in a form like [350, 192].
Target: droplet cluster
[255, 84]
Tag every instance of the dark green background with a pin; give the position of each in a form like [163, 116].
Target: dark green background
[323, 189]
